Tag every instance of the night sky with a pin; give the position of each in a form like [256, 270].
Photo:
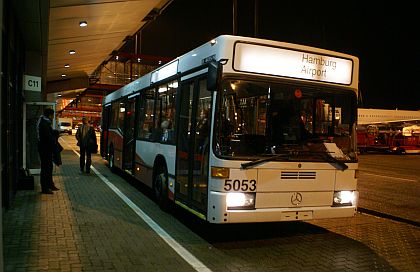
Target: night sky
[385, 37]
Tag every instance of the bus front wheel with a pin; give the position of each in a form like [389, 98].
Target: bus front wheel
[111, 159]
[160, 187]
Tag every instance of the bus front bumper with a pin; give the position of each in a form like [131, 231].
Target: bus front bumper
[219, 214]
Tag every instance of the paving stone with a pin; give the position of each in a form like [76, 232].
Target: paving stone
[81, 227]
[86, 227]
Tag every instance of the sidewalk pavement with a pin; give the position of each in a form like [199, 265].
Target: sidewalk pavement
[86, 227]
[82, 227]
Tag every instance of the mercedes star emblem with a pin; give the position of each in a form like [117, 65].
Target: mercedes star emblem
[296, 198]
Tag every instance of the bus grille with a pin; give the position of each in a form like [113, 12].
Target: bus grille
[298, 175]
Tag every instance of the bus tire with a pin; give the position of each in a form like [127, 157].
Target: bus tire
[400, 151]
[111, 163]
[160, 187]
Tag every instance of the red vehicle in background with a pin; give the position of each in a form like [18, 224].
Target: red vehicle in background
[389, 138]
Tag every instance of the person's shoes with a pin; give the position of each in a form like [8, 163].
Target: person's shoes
[54, 188]
[48, 192]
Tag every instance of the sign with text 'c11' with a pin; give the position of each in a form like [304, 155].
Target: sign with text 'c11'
[31, 83]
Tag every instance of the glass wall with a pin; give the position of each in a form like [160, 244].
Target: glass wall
[11, 100]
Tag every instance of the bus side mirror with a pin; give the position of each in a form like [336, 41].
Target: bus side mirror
[213, 75]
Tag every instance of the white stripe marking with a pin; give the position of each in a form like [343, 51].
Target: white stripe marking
[388, 177]
[179, 249]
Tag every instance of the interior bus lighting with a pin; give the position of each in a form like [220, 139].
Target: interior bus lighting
[162, 89]
[173, 84]
[219, 172]
[344, 198]
[82, 23]
[240, 201]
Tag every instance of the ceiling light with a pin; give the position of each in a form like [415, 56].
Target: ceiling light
[66, 65]
[82, 23]
[72, 52]
[63, 75]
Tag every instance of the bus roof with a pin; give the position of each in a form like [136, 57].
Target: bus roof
[246, 55]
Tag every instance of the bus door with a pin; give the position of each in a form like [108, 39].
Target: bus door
[193, 145]
[104, 131]
[129, 139]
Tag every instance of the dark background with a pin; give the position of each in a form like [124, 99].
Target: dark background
[385, 37]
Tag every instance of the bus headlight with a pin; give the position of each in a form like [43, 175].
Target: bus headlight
[240, 201]
[343, 198]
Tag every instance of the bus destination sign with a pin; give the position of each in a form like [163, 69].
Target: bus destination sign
[276, 61]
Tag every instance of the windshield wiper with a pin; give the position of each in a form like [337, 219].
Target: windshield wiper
[250, 164]
[337, 163]
[323, 154]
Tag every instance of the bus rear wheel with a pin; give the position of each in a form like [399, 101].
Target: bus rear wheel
[160, 187]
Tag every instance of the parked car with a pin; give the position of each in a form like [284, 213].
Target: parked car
[65, 127]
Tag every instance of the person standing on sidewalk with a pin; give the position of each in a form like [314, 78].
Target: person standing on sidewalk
[46, 148]
[86, 140]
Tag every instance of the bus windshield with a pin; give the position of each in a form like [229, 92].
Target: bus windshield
[266, 119]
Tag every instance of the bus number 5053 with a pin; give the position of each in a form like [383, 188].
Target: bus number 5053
[240, 185]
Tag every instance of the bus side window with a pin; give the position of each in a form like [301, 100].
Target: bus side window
[121, 116]
[167, 97]
[203, 118]
[115, 114]
[146, 115]
[156, 129]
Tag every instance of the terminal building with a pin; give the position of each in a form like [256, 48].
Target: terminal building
[66, 55]
[52, 58]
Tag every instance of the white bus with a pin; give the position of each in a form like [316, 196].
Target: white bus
[241, 130]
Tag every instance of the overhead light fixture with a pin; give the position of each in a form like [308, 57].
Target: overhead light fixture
[59, 95]
[72, 52]
[82, 23]
[63, 75]
[66, 65]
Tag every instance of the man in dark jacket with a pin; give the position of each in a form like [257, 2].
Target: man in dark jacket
[46, 146]
[86, 139]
